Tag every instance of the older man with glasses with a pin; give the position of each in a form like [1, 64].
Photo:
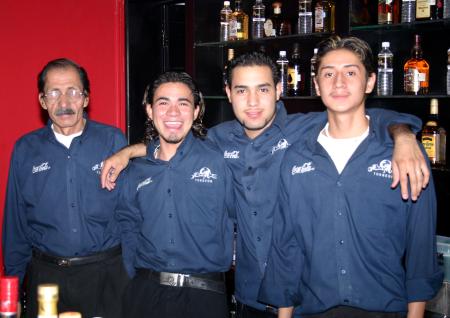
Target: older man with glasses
[60, 226]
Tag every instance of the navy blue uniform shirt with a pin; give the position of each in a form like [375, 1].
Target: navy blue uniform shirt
[178, 213]
[349, 239]
[255, 165]
[54, 200]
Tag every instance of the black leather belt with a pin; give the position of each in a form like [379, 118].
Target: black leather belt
[272, 311]
[81, 260]
[209, 281]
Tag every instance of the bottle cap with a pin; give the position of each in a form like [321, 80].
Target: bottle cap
[385, 44]
[48, 292]
[277, 4]
[226, 3]
[9, 294]
[70, 314]
[282, 53]
[316, 50]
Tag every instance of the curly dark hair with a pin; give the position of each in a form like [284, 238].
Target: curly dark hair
[251, 59]
[198, 129]
[352, 44]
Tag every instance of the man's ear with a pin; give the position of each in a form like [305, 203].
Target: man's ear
[316, 85]
[149, 110]
[42, 101]
[371, 80]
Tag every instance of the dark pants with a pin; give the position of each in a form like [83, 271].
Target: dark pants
[145, 298]
[93, 290]
[244, 311]
[351, 312]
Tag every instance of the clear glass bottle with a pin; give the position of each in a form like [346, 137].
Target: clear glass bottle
[258, 19]
[304, 22]
[225, 15]
[241, 22]
[312, 87]
[408, 11]
[385, 11]
[434, 137]
[416, 71]
[385, 79]
[296, 75]
[282, 63]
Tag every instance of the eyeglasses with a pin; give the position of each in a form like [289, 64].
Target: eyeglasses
[72, 95]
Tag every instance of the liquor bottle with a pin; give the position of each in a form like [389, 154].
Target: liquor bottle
[277, 25]
[282, 63]
[416, 71]
[241, 22]
[324, 16]
[230, 56]
[423, 10]
[312, 87]
[225, 15]
[408, 11]
[385, 75]
[446, 9]
[448, 72]
[296, 76]
[47, 301]
[258, 19]
[9, 294]
[233, 27]
[70, 314]
[304, 23]
[436, 9]
[434, 136]
[385, 11]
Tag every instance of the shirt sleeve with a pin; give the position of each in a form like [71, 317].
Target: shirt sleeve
[383, 119]
[17, 248]
[423, 276]
[280, 285]
[129, 218]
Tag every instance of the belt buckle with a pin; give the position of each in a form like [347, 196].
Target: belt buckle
[63, 262]
[174, 279]
[272, 310]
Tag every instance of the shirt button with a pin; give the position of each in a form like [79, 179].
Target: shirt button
[255, 213]
[68, 157]
[170, 215]
[346, 301]
[72, 205]
[343, 271]
[258, 239]
[341, 242]
[249, 188]
[339, 212]
[74, 230]
[250, 168]
[172, 241]
[339, 184]
[168, 191]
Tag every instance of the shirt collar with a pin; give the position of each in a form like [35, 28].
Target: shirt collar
[182, 150]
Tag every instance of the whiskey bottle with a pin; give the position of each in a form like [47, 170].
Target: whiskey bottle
[9, 294]
[324, 16]
[296, 76]
[436, 9]
[416, 71]
[434, 136]
[241, 22]
[423, 10]
[47, 301]
[385, 11]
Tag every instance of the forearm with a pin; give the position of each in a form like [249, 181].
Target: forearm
[400, 130]
[136, 150]
[285, 312]
[416, 309]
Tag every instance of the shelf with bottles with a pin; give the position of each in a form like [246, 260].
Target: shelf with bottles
[417, 25]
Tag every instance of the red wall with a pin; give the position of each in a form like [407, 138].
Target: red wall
[91, 32]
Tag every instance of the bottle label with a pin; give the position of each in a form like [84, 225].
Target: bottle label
[422, 9]
[268, 28]
[318, 19]
[233, 28]
[412, 80]
[294, 78]
[430, 142]
[254, 19]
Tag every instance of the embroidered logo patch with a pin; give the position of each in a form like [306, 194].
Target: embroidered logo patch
[234, 154]
[204, 175]
[144, 183]
[306, 167]
[382, 169]
[97, 168]
[282, 144]
[42, 167]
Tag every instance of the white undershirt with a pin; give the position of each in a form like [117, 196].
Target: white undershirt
[340, 149]
[65, 140]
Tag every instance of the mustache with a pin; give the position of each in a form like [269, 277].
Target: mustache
[64, 111]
